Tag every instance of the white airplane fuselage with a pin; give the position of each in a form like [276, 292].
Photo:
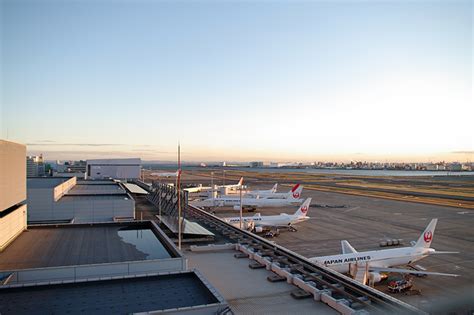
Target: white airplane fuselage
[255, 202]
[384, 258]
[270, 220]
[267, 195]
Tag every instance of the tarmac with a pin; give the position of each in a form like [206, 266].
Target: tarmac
[365, 221]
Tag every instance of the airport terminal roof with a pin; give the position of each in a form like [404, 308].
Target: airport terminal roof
[44, 182]
[95, 189]
[128, 161]
[69, 245]
[115, 296]
[247, 290]
[84, 197]
[135, 189]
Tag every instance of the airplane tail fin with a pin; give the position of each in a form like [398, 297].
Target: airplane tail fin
[293, 188]
[295, 192]
[303, 209]
[274, 188]
[347, 248]
[426, 238]
[241, 181]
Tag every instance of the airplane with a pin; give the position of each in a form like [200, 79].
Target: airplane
[296, 191]
[250, 204]
[200, 188]
[167, 175]
[263, 192]
[372, 266]
[233, 187]
[258, 223]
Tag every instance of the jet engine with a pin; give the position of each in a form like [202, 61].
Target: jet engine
[258, 229]
[250, 209]
[375, 277]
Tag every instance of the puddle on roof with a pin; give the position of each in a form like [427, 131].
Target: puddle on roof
[145, 241]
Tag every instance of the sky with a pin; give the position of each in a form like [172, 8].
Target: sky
[239, 80]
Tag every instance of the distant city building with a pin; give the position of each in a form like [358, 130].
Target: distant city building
[114, 168]
[455, 167]
[35, 166]
[256, 164]
[12, 192]
[76, 166]
[70, 169]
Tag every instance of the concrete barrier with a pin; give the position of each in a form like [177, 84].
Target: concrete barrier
[282, 272]
[76, 272]
[262, 260]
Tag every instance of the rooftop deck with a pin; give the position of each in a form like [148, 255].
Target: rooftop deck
[117, 296]
[72, 245]
[247, 290]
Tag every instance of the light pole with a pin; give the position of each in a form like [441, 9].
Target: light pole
[240, 189]
[223, 171]
[212, 181]
[159, 197]
[178, 181]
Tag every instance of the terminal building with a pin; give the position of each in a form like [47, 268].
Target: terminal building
[56, 199]
[12, 192]
[96, 267]
[114, 168]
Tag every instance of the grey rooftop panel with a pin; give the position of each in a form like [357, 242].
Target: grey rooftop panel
[65, 246]
[120, 296]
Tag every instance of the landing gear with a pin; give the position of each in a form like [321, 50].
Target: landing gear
[292, 229]
[272, 233]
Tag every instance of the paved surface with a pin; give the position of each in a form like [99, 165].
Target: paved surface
[48, 247]
[123, 296]
[247, 290]
[365, 221]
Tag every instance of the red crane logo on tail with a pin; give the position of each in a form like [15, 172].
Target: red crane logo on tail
[304, 210]
[428, 236]
[296, 195]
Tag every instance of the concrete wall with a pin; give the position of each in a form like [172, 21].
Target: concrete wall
[83, 209]
[11, 225]
[12, 191]
[12, 174]
[63, 188]
[40, 204]
[64, 273]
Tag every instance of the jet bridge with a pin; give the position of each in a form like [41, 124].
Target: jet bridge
[164, 197]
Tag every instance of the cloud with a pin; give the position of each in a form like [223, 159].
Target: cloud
[462, 152]
[152, 151]
[52, 143]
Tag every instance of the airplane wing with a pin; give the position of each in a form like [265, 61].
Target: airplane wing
[193, 189]
[442, 253]
[415, 272]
